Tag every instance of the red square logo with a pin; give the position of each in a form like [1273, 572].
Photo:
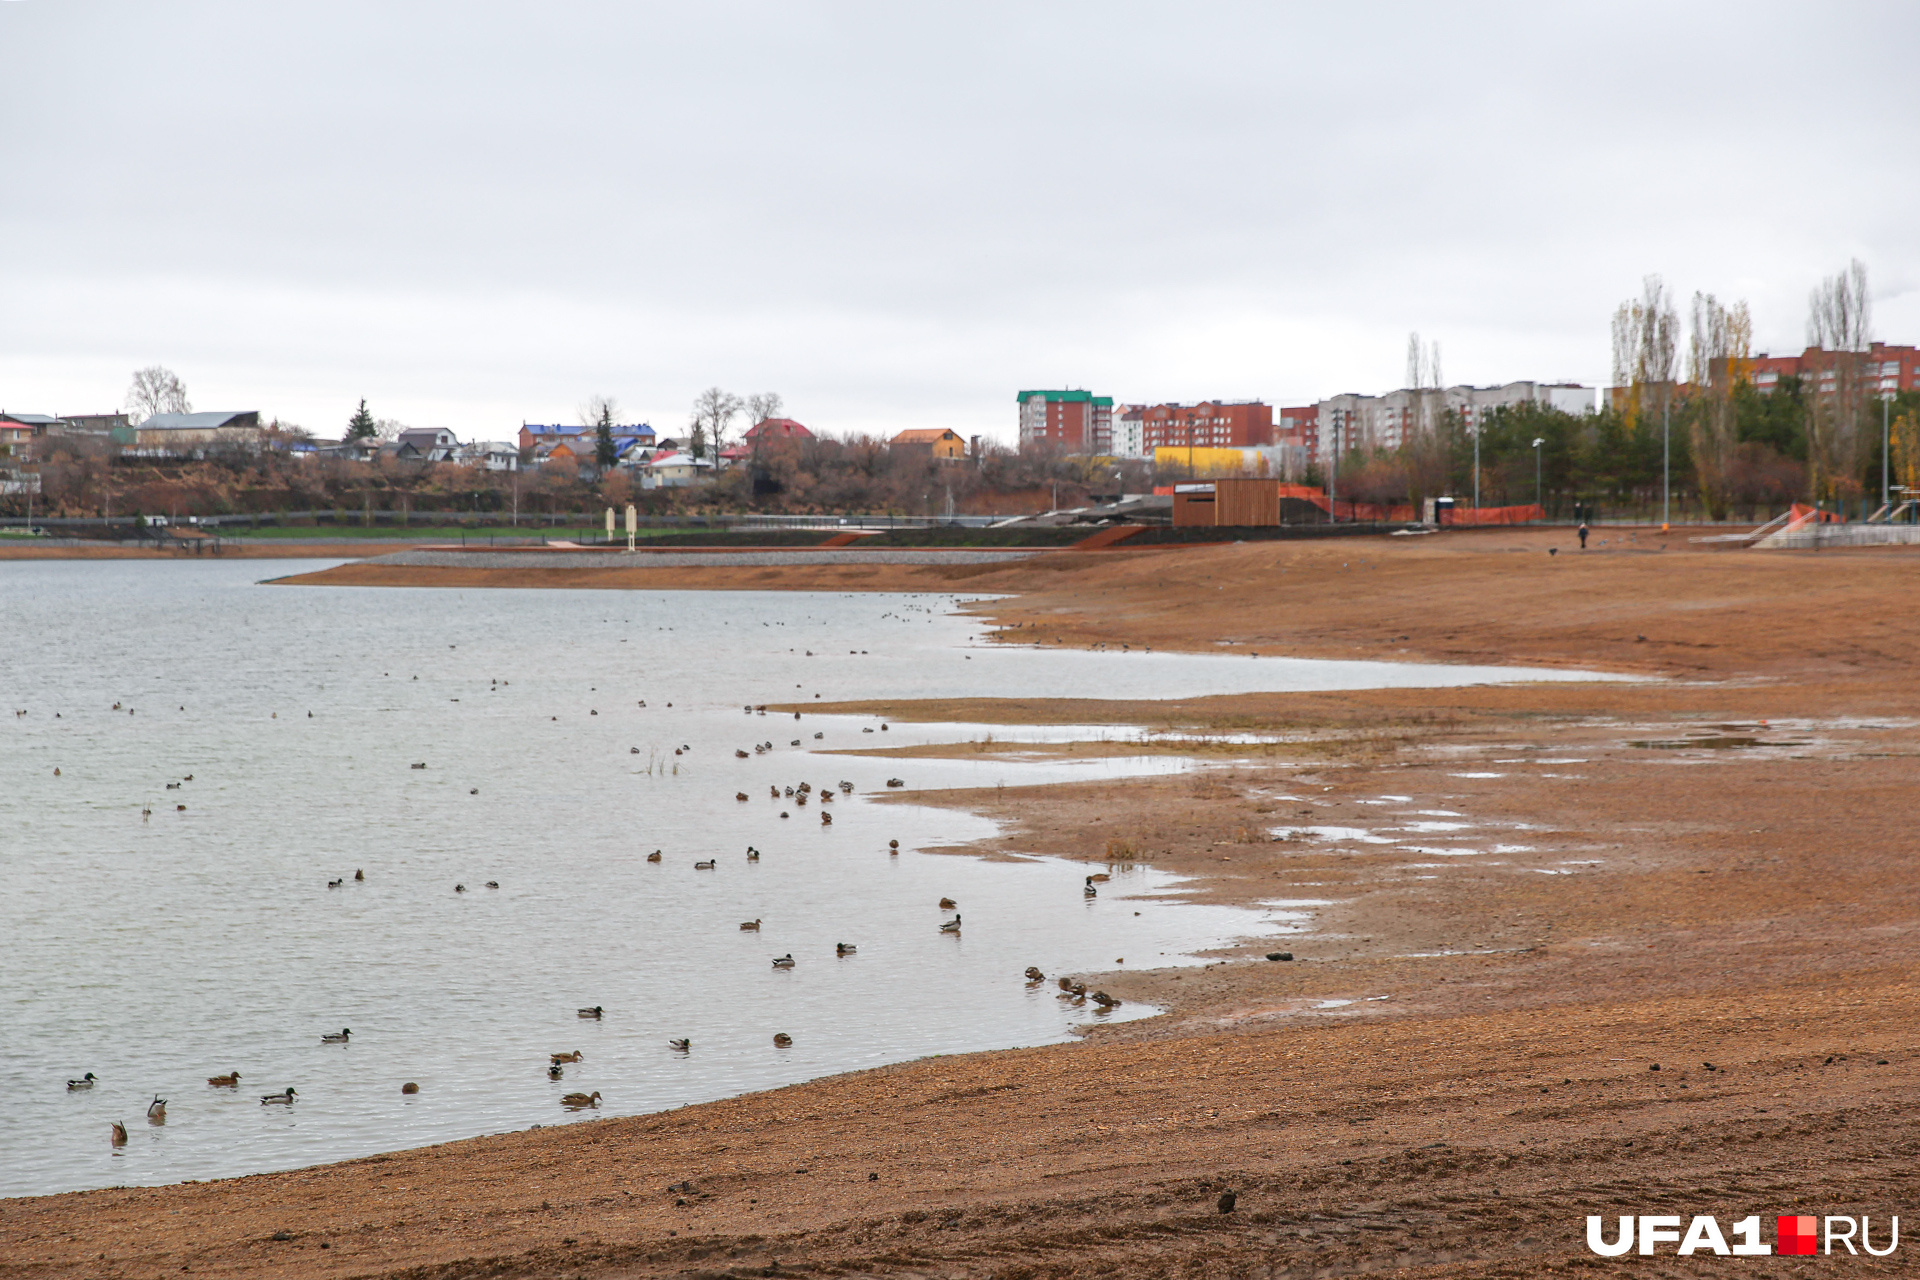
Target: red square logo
[1798, 1233]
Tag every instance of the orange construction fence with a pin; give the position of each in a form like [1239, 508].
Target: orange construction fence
[1493, 515]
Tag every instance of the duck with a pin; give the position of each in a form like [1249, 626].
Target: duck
[157, 1110]
[229, 1081]
[739, 754]
[846, 786]
[1066, 984]
[493, 884]
[740, 796]
[826, 819]
[596, 1013]
[753, 854]
[750, 926]
[782, 1040]
[1034, 975]
[1088, 891]
[953, 925]
[1104, 1000]
[459, 888]
[775, 791]
[335, 884]
[844, 948]
[579, 1101]
[893, 848]
[948, 904]
[272, 1098]
[1099, 877]
[575, 1056]
[119, 1138]
[654, 856]
[1073, 990]
[896, 782]
[346, 1033]
[783, 962]
[554, 1071]
[409, 1087]
[84, 1082]
[708, 865]
[359, 875]
[680, 1046]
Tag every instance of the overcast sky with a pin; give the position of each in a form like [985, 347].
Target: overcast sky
[899, 214]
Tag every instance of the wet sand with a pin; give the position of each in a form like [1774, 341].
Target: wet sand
[1458, 1064]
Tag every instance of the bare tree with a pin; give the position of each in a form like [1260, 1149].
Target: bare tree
[1840, 327]
[713, 412]
[761, 406]
[1645, 342]
[157, 389]
[1718, 352]
[596, 409]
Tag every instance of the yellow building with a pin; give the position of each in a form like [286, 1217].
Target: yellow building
[944, 445]
[1215, 462]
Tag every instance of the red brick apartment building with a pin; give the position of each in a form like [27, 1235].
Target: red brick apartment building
[1884, 370]
[1070, 421]
[1211, 424]
[1300, 426]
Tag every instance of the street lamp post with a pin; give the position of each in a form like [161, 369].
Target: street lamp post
[1537, 442]
[1886, 444]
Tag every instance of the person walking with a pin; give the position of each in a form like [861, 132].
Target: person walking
[1583, 535]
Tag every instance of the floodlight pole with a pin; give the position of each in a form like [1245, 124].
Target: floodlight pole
[1886, 443]
[1666, 457]
[1476, 464]
[1537, 442]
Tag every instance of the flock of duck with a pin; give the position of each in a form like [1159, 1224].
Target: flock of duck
[157, 1109]
[799, 794]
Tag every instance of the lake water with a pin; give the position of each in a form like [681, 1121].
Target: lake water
[158, 948]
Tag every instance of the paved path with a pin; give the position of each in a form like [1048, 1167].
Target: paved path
[696, 557]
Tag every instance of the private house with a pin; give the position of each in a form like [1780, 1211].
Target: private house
[93, 424]
[189, 434]
[776, 429]
[16, 431]
[674, 471]
[946, 446]
[426, 444]
[489, 455]
[535, 434]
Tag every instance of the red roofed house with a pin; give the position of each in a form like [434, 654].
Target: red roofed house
[778, 429]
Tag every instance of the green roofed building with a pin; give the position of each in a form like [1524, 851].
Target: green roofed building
[1066, 421]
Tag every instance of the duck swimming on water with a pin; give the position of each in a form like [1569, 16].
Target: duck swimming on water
[84, 1082]
[575, 1056]
[229, 1081]
[271, 1098]
[342, 1038]
[783, 962]
[680, 1046]
[580, 1101]
[953, 925]
[596, 1012]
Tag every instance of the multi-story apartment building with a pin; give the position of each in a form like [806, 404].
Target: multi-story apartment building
[1884, 369]
[1299, 427]
[1210, 424]
[1129, 431]
[1348, 422]
[1068, 421]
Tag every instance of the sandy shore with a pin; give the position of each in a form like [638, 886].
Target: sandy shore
[1458, 1065]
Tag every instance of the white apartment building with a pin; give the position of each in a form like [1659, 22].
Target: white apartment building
[1352, 421]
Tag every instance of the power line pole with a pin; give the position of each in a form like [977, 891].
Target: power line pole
[1476, 463]
[1886, 445]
